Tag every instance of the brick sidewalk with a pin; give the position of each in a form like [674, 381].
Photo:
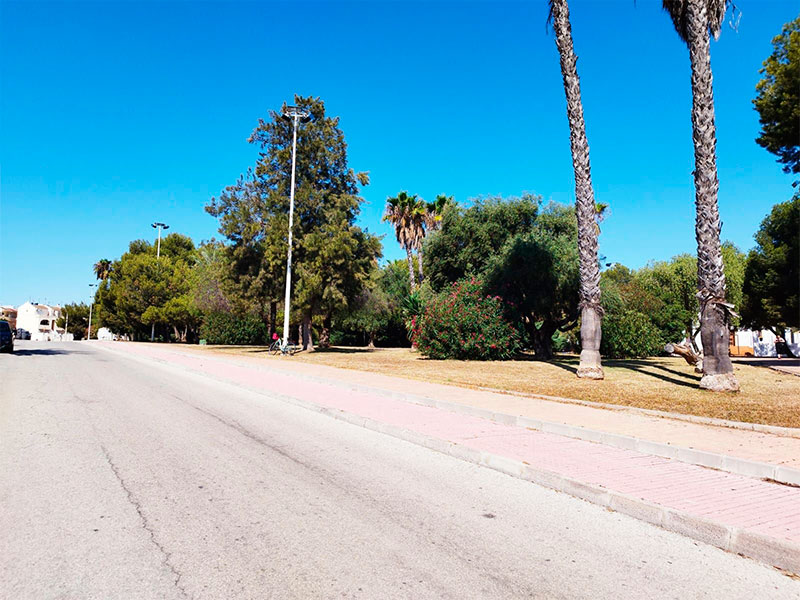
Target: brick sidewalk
[728, 506]
[744, 444]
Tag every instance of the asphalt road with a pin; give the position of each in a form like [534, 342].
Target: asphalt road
[123, 479]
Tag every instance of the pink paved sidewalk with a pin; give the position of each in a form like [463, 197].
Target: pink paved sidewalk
[768, 509]
[739, 443]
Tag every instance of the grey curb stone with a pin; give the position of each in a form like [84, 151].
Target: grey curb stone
[625, 442]
[697, 528]
[773, 551]
[786, 556]
[748, 467]
[787, 475]
[638, 509]
[705, 459]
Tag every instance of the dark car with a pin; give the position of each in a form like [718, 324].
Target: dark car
[6, 338]
[23, 334]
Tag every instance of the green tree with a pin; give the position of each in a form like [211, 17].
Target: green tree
[525, 254]
[255, 220]
[210, 278]
[253, 215]
[75, 317]
[772, 274]
[695, 21]
[778, 98]
[669, 297]
[468, 238]
[340, 259]
[537, 274]
[585, 205]
[370, 312]
[142, 289]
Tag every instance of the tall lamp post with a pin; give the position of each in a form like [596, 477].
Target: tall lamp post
[158, 226]
[296, 115]
[91, 306]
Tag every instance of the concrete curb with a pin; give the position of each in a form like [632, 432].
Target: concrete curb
[772, 551]
[778, 553]
[720, 462]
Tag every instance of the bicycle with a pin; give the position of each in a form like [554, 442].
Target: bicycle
[278, 347]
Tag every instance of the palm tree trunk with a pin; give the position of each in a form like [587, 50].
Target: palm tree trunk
[411, 278]
[714, 313]
[419, 262]
[591, 312]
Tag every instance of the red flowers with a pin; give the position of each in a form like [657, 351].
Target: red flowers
[465, 323]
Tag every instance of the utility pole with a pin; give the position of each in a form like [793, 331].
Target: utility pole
[296, 115]
[91, 306]
[158, 226]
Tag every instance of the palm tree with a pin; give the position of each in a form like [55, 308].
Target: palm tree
[399, 212]
[591, 312]
[428, 217]
[102, 269]
[695, 21]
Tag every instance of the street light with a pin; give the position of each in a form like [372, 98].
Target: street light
[91, 306]
[296, 115]
[158, 226]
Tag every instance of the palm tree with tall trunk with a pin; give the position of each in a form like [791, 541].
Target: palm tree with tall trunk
[400, 213]
[590, 366]
[102, 269]
[695, 21]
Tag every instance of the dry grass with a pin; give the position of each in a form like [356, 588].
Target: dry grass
[666, 384]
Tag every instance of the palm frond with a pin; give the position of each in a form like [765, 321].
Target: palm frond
[715, 9]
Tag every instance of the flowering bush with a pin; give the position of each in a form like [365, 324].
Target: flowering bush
[465, 324]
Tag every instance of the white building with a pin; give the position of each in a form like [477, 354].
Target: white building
[746, 342]
[39, 320]
[762, 342]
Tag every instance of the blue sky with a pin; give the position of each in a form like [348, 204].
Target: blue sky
[117, 114]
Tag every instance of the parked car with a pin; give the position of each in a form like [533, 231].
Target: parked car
[23, 334]
[6, 338]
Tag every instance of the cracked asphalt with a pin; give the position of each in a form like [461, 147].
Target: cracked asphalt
[126, 479]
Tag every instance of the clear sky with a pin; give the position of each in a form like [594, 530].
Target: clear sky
[117, 114]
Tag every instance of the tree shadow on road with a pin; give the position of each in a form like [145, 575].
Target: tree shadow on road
[45, 352]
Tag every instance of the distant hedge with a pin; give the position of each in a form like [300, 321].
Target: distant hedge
[225, 328]
[630, 334]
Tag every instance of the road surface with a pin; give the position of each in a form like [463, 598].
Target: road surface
[126, 479]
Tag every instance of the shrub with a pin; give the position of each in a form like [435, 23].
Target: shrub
[630, 334]
[226, 328]
[564, 342]
[465, 324]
